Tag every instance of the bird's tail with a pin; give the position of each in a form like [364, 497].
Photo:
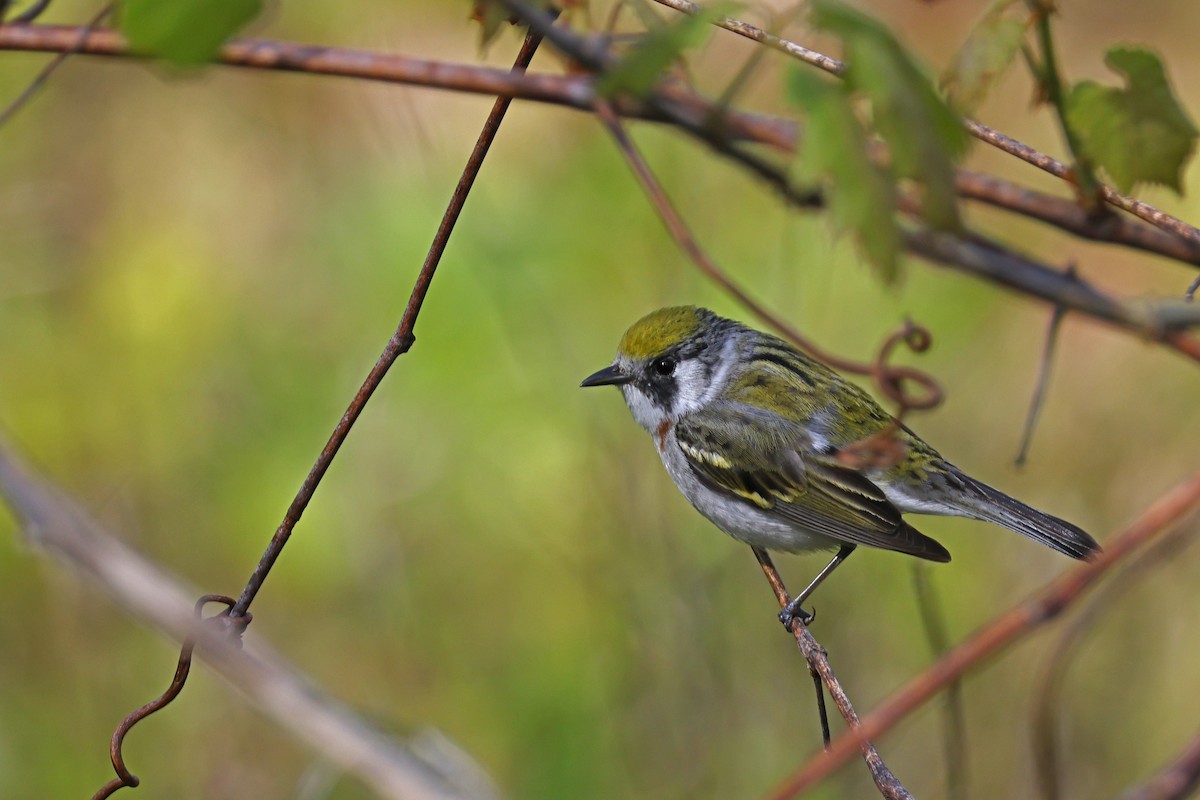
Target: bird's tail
[999, 508]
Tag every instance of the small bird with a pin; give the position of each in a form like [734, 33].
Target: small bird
[755, 435]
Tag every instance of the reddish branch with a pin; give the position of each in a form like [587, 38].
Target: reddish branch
[1189, 234]
[400, 341]
[576, 91]
[1011, 626]
[816, 656]
[1176, 781]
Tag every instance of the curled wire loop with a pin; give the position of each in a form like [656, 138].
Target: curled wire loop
[124, 776]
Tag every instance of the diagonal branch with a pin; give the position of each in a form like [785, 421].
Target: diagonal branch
[397, 345]
[1176, 781]
[64, 533]
[577, 91]
[983, 133]
[971, 253]
[1007, 628]
[814, 654]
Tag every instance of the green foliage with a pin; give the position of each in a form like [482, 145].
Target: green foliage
[923, 134]
[835, 146]
[184, 32]
[1139, 133]
[988, 51]
[656, 50]
[491, 16]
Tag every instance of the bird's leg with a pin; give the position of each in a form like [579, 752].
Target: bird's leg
[793, 610]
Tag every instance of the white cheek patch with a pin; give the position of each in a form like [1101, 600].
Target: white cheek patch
[695, 387]
[691, 387]
[647, 414]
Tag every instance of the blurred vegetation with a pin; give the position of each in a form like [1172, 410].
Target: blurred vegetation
[198, 268]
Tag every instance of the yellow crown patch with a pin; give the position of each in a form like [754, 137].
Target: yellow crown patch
[659, 330]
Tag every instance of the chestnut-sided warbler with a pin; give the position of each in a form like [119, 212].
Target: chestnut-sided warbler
[751, 430]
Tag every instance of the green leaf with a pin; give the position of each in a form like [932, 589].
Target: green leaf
[491, 17]
[985, 55]
[638, 71]
[184, 32]
[1139, 133]
[923, 134]
[861, 197]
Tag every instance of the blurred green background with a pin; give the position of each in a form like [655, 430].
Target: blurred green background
[197, 270]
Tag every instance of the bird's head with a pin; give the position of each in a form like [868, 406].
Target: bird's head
[671, 362]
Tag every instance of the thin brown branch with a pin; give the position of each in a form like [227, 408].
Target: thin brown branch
[889, 379]
[980, 131]
[1047, 687]
[400, 341]
[1009, 627]
[818, 661]
[1177, 780]
[995, 263]
[969, 252]
[814, 654]
[573, 91]
[40, 79]
[577, 91]
[1043, 379]
[64, 533]
[1157, 218]
[1071, 218]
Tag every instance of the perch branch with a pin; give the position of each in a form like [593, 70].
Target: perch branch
[818, 661]
[814, 654]
[1005, 629]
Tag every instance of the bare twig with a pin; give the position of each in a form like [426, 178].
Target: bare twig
[1005, 629]
[1002, 266]
[40, 79]
[238, 614]
[1181, 242]
[980, 131]
[1071, 218]
[1176, 781]
[400, 342]
[1047, 688]
[818, 660]
[1043, 378]
[888, 378]
[63, 531]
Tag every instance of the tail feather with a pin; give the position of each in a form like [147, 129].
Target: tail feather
[1011, 513]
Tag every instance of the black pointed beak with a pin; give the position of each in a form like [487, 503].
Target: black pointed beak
[609, 376]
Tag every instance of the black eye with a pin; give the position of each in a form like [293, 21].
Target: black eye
[664, 366]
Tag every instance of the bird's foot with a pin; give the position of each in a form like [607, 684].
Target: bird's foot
[792, 612]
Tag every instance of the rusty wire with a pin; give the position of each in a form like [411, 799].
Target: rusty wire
[124, 776]
[237, 614]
